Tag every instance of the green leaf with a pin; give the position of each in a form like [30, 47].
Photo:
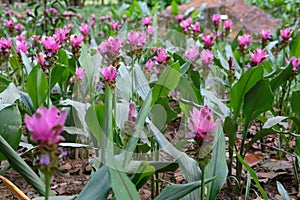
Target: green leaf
[295, 46]
[18, 164]
[167, 81]
[10, 94]
[295, 102]
[242, 86]
[98, 186]
[26, 63]
[259, 135]
[56, 75]
[94, 119]
[10, 126]
[282, 77]
[122, 186]
[188, 166]
[37, 86]
[142, 174]
[178, 191]
[253, 175]
[217, 167]
[62, 58]
[174, 8]
[283, 193]
[258, 100]
[273, 121]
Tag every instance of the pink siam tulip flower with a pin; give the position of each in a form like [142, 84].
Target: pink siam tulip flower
[149, 65]
[285, 33]
[179, 17]
[201, 123]
[265, 34]
[61, 34]
[208, 40]
[114, 25]
[161, 56]
[93, 16]
[228, 24]
[109, 73]
[136, 38]
[53, 11]
[76, 40]
[216, 19]
[150, 30]
[21, 46]
[5, 44]
[147, 21]
[185, 24]
[244, 41]
[111, 46]
[196, 27]
[10, 24]
[19, 27]
[79, 15]
[102, 18]
[79, 73]
[258, 57]
[192, 53]
[101, 33]
[84, 29]
[295, 62]
[46, 125]
[207, 57]
[50, 44]
[20, 37]
[41, 59]
[108, 17]
[28, 12]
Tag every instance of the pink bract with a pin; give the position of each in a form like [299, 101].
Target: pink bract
[79, 73]
[136, 38]
[207, 57]
[76, 40]
[258, 56]
[201, 122]
[109, 73]
[46, 125]
[192, 53]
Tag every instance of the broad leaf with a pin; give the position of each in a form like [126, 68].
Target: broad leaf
[273, 121]
[295, 101]
[10, 126]
[121, 185]
[295, 46]
[167, 81]
[98, 186]
[217, 167]
[142, 174]
[37, 86]
[282, 77]
[10, 94]
[282, 191]
[21, 166]
[26, 63]
[94, 119]
[258, 100]
[188, 166]
[244, 84]
[180, 190]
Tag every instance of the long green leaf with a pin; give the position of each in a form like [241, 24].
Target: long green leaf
[10, 126]
[167, 81]
[21, 167]
[142, 174]
[37, 86]
[217, 167]
[244, 84]
[178, 191]
[98, 186]
[295, 101]
[258, 100]
[122, 186]
[295, 46]
[253, 175]
[189, 166]
[283, 193]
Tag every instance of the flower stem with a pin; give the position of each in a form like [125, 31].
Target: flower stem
[47, 183]
[203, 184]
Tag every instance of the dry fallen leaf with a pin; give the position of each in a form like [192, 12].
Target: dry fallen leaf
[253, 159]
